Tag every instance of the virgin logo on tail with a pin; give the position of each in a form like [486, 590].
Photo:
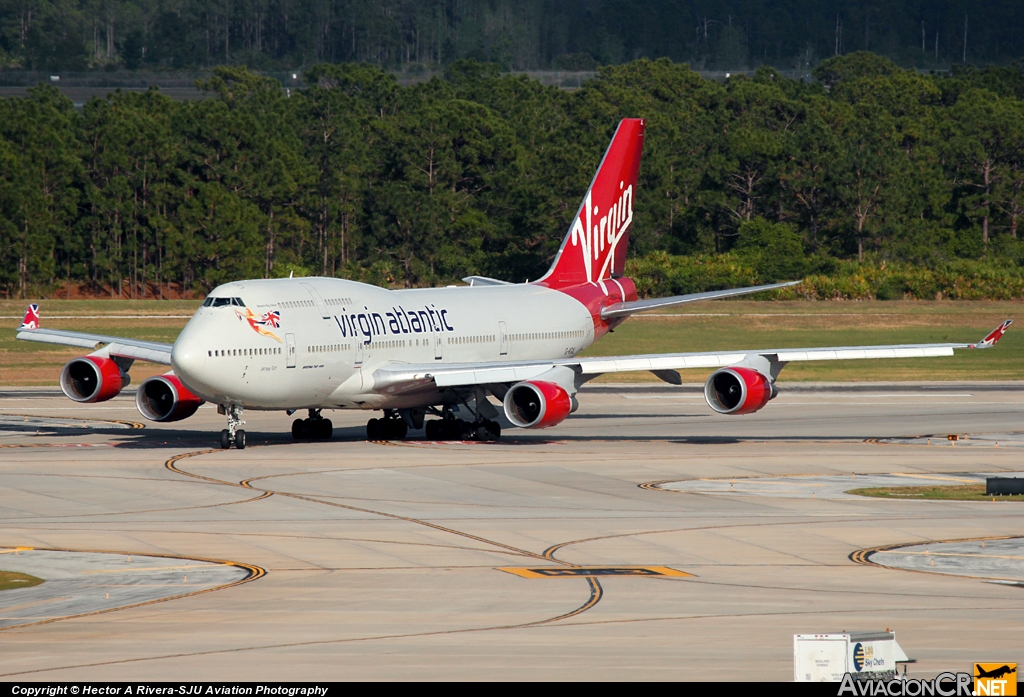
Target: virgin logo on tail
[595, 247]
[594, 234]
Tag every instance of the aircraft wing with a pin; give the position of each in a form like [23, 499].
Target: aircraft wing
[119, 346]
[398, 377]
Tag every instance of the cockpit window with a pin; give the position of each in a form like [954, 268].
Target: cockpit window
[222, 302]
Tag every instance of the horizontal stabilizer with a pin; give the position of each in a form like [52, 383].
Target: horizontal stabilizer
[484, 281]
[632, 306]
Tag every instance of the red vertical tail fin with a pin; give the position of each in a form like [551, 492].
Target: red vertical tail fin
[595, 247]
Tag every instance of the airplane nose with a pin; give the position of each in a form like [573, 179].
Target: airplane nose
[188, 357]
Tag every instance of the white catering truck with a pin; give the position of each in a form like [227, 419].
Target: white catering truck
[826, 657]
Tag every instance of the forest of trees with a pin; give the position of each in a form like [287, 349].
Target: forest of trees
[868, 167]
[517, 34]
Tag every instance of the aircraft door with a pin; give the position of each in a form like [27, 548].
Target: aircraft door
[289, 350]
[438, 338]
[503, 338]
[359, 350]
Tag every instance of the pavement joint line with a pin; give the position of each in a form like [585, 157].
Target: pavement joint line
[133, 424]
[151, 510]
[543, 624]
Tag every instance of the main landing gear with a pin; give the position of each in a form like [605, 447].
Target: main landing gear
[391, 427]
[232, 434]
[395, 426]
[315, 427]
[450, 428]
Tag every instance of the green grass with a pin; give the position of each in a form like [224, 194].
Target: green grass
[10, 580]
[967, 492]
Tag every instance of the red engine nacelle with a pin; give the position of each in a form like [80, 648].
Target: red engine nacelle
[537, 404]
[92, 379]
[738, 391]
[164, 398]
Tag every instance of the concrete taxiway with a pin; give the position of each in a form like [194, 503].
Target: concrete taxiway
[589, 551]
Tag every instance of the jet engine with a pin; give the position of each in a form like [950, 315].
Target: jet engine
[164, 398]
[537, 404]
[92, 379]
[738, 391]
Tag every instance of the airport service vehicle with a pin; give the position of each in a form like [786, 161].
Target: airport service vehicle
[328, 343]
[827, 657]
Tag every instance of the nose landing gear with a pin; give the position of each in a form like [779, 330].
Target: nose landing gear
[232, 434]
[315, 427]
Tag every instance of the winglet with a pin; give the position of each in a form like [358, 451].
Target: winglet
[31, 320]
[993, 336]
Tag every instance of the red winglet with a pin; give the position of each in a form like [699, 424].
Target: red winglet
[31, 320]
[993, 336]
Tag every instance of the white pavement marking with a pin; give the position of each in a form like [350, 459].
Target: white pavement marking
[71, 587]
[803, 487]
[998, 559]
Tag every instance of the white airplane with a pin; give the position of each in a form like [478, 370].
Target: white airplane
[327, 343]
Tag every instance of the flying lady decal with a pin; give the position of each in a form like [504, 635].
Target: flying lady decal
[260, 322]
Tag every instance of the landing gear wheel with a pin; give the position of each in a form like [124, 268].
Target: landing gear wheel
[434, 429]
[232, 434]
[298, 429]
[373, 429]
[445, 430]
[398, 429]
[386, 429]
[324, 429]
